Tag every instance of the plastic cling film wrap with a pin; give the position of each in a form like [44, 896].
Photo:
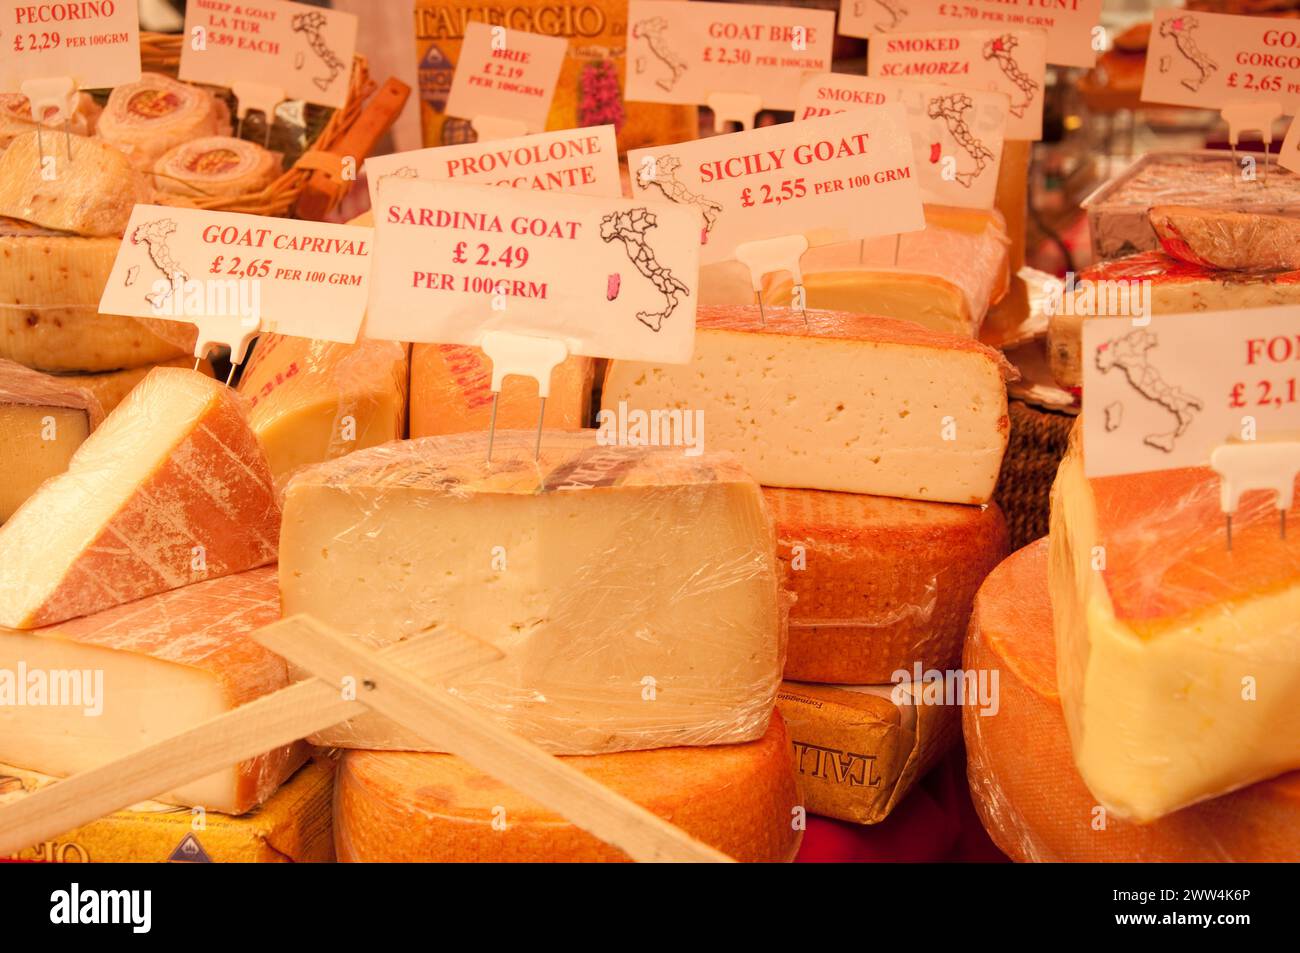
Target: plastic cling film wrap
[165, 664]
[20, 385]
[404, 807]
[1024, 783]
[634, 591]
[1234, 241]
[881, 584]
[215, 166]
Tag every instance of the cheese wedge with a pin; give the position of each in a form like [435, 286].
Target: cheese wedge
[842, 402]
[1179, 660]
[16, 117]
[147, 118]
[675, 639]
[1235, 241]
[398, 807]
[451, 392]
[313, 401]
[92, 193]
[1023, 781]
[215, 167]
[880, 584]
[171, 489]
[43, 420]
[111, 387]
[120, 680]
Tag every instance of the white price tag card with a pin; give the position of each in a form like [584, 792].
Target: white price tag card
[1073, 27]
[582, 161]
[957, 134]
[506, 74]
[682, 52]
[304, 50]
[1014, 63]
[831, 179]
[97, 44]
[611, 277]
[1162, 395]
[1289, 155]
[1212, 60]
[308, 279]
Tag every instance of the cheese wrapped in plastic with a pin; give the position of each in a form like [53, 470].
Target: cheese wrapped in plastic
[1225, 240]
[1178, 656]
[16, 117]
[148, 118]
[633, 590]
[1023, 780]
[215, 167]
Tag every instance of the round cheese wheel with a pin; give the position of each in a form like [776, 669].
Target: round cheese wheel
[881, 583]
[147, 118]
[215, 166]
[394, 806]
[1022, 775]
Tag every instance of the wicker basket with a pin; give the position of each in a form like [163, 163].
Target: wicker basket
[1037, 444]
[161, 53]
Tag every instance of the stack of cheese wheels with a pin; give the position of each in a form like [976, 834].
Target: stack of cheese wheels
[147, 118]
[1023, 779]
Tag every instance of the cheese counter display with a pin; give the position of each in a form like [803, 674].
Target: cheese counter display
[650, 431]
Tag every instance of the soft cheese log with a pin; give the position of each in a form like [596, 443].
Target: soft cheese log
[168, 663]
[92, 193]
[1179, 661]
[1236, 241]
[171, 489]
[111, 387]
[215, 167]
[419, 808]
[635, 591]
[841, 402]
[451, 392]
[146, 118]
[880, 584]
[313, 401]
[43, 420]
[1176, 287]
[1024, 784]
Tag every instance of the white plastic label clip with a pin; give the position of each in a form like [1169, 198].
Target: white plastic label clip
[1256, 465]
[740, 108]
[233, 331]
[1251, 117]
[256, 97]
[492, 128]
[528, 356]
[58, 93]
[775, 254]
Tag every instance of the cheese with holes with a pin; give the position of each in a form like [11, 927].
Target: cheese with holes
[1178, 659]
[1220, 239]
[92, 193]
[215, 167]
[1024, 784]
[125, 678]
[111, 387]
[859, 749]
[147, 118]
[43, 420]
[171, 489]
[402, 807]
[16, 117]
[451, 392]
[841, 402]
[1176, 287]
[677, 639]
[313, 401]
[880, 584]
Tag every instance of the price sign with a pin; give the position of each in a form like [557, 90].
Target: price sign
[97, 44]
[506, 74]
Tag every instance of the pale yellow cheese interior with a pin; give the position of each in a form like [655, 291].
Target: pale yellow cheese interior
[27, 459]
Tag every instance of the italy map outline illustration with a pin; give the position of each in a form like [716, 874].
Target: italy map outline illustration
[310, 25]
[153, 235]
[1000, 49]
[952, 110]
[1179, 29]
[630, 227]
[662, 173]
[1129, 354]
[652, 31]
[896, 14]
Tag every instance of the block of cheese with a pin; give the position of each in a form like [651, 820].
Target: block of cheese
[92, 193]
[1024, 784]
[313, 401]
[43, 420]
[111, 387]
[677, 639]
[837, 402]
[451, 392]
[1179, 659]
[215, 167]
[135, 674]
[149, 117]
[880, 584]
[172, 488]
[859, 749]
[50, 286]
[405, 807]
[294, 826]
[1235, 241]
[16, 117]
[1176, 287]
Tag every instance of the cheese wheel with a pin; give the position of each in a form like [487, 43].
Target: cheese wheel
[1221, 239]
[881, 584]
[214, 167]
[418, 808]
[16, 117]
[93, 193]
[1025, 786]
[147, 118]
[111, 387]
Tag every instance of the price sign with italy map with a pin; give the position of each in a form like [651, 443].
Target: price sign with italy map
[1162, 395]
[304, 50]
[832, 179]
[683, 52]
[610, 277]
[1014, 63]
[1212, 60]
[98, 47]
[1073, 27]
[506, 74]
